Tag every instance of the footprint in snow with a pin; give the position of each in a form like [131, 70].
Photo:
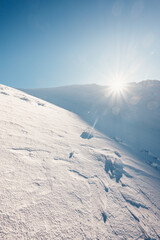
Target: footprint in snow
[36, 183]
[71, 154]
[114, 167]
[41, 104]
[86, 135]
[104, 216]
[24, 99]
[4, 93]
[117, 153]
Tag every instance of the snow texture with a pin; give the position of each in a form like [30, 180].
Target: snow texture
[61, 179]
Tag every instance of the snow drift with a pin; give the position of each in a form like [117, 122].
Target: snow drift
[61, 179]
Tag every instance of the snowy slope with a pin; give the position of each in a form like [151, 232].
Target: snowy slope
[132, 116]
[61, 179]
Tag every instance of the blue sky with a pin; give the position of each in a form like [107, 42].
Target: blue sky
[45, 43]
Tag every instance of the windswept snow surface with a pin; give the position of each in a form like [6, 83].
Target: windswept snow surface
[131, 116]
[60, 179]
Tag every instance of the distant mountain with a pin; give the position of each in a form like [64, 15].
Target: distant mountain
[133, 117]
[61, 179]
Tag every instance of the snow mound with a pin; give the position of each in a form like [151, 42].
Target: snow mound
[56, 183]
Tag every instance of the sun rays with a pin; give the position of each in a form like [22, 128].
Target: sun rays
[117, 90]
[116, 94]
[117, 87]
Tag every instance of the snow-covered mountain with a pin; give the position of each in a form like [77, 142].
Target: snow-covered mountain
[131, 117]
[62, 179]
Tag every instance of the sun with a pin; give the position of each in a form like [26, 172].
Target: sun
[117, 87]
[116, 92]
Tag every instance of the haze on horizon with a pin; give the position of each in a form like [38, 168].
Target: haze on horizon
[54, 43]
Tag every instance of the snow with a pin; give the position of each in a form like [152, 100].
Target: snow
[132, 118]
[62, 179]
